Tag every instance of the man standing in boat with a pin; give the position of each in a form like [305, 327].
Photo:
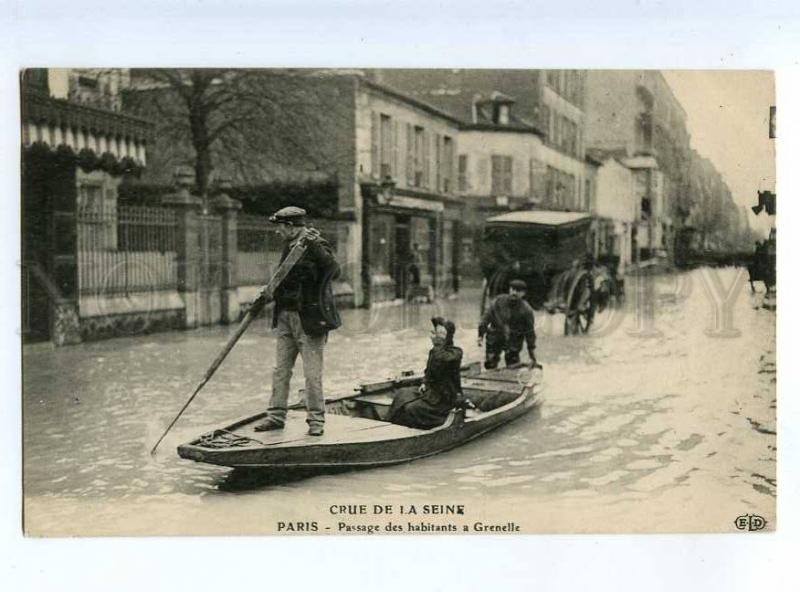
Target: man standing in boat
[304, 313]
[506, 324]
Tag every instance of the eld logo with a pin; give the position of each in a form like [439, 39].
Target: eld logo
[750, 522]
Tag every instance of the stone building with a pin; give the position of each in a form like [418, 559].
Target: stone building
[614, 207]
[389, 157]
[635, 114]
[520, 141]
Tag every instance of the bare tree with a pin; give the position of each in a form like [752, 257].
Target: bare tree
[243, 120]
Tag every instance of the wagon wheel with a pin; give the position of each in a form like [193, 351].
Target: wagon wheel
[580, 306]
[484, 297]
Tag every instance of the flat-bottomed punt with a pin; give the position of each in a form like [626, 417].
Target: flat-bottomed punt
[357, 433]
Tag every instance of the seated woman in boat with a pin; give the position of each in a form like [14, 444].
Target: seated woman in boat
[440, 392]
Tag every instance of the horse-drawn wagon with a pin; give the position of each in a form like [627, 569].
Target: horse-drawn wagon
[552, 252]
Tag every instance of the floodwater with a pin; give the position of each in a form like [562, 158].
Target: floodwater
[651, 423]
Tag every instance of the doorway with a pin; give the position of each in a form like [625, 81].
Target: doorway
[402, 256]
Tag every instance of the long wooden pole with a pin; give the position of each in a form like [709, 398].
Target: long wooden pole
[280, 274]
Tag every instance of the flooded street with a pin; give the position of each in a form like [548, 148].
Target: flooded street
[649, 423]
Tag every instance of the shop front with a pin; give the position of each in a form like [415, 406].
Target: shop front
[409, 248]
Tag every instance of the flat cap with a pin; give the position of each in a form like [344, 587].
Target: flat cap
[518, 285]
[289, 215]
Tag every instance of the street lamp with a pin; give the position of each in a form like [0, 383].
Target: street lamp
[385, 191]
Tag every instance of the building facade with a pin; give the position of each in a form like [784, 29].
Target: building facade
[614, 207]
[520, 143]
[407, 213]
[635, 114]
[390, 159]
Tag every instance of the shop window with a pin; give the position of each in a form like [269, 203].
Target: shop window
[422, 237]
[380, 244]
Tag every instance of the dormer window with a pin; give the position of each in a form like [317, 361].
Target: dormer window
[495, 109]
[502, 114]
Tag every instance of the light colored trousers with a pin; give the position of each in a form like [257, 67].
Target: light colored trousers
[292, 340]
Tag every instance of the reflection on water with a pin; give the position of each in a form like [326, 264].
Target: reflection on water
[624, 417]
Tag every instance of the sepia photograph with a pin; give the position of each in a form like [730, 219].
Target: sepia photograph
[385, 301]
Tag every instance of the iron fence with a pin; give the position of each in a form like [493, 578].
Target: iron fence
[126, 249]
[260, 247]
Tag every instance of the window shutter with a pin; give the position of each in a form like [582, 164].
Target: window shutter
[375, 163]
[496, 189]
[409, 155]
[438, 161]
[508, 175]
[426, 159]
[395, 149]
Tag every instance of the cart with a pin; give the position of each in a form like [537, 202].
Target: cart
[551, 251]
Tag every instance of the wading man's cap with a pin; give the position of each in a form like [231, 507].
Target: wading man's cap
[518, 285]
[289, 215]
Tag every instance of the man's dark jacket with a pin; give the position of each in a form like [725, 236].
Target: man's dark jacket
[307, 289]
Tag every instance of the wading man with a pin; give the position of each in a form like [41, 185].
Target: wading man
[304, 313]
[506, 324]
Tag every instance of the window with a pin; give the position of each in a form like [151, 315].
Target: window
[550, 185]
[90, 199]
[555, 139]
[573, 138]
[545, 123]
[447, 164]
[587, 195]
[571, 201]
[386, 147]
[463, 186]
[87, 82]
[424, 237]
[502, 114]
[97, 218]
[380, 244]
[537, 181]
[501, 175]
[410, 170]
[374, 152]
[419, 155]
[437, 151]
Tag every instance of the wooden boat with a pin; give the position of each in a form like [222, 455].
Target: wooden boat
[357, 434]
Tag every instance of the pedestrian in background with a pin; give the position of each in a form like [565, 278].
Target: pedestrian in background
[506, 324]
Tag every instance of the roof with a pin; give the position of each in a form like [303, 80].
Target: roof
[40, 107]
[496, 97]
[457, 92]
[543, 217]
[420, 104]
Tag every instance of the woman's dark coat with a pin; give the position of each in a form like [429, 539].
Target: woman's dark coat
[442, 389]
